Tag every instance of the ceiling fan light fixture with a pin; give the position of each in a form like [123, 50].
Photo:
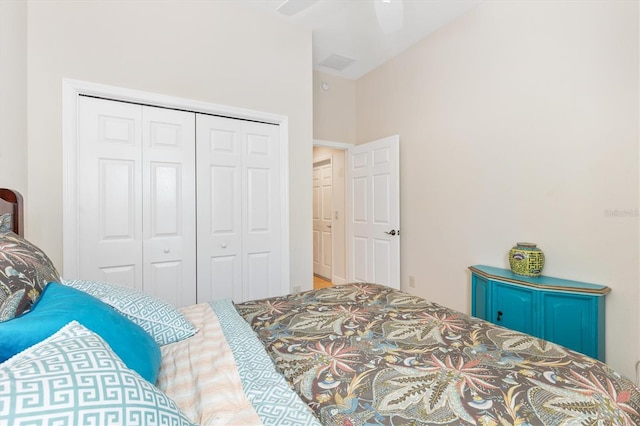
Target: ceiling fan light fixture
[390, 15]
[291, 7]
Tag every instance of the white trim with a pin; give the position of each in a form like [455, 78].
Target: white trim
[71, 89]
[332, 144]
[336, 280]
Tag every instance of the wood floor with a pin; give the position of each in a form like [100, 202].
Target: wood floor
[319, 282]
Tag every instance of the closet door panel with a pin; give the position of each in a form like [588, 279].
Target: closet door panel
[110, 205]
[261, 210]
[224, 284]
[258, 268]
[169, 257]
[219, 207]
[166, 277]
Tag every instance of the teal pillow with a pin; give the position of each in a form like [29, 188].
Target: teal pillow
[59, 305]
[73, 378]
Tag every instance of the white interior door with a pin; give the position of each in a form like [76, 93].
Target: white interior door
[373, 191]
[322, 218]
[238, 213]
[136, 201]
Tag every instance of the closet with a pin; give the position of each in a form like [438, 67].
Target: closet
[183, 205]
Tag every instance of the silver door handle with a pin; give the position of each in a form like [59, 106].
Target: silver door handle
[392, 232]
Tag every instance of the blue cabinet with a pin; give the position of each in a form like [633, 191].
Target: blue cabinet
[570, 313]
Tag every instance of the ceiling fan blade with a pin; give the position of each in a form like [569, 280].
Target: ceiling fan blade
[291, 7]
[390, 14]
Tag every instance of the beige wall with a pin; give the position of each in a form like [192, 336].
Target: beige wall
[519, 122]
[214, 51]
[334, 110]
[334, 120]
[13, 99]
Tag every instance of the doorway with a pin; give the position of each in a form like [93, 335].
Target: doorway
[329, 210]
[365, 225]
[322, 218]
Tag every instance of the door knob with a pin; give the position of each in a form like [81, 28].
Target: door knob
[499, 316]
[392, 232]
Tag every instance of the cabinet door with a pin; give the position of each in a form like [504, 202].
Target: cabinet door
[570, 321]
[480, 297]
[513, 308]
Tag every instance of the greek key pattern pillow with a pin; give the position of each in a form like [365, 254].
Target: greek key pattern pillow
[157, 317]
[73, 378]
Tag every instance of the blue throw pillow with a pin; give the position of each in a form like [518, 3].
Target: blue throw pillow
[60, 305]
[74, 378]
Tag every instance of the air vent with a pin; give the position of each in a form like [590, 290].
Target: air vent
[337, 62]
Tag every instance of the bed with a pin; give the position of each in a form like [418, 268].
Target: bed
[84, 352]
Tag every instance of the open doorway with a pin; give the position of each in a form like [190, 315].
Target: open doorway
[329, 214]
[365, 210]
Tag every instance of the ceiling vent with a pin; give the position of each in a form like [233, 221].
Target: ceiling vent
[337, 62]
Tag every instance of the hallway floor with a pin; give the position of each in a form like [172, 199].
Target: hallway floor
[320, 282]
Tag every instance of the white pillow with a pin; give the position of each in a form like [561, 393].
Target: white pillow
[74, 378]
[157, 317]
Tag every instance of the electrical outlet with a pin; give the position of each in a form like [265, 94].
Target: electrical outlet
[412, 281]
[296, 289]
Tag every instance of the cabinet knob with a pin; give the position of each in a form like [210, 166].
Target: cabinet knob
[223, 245]
[499, 316]
[166, 250]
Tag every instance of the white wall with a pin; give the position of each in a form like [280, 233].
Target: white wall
[13, 99]
[519, 122]
[214, 51]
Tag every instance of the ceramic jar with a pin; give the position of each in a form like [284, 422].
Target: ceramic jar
[526, 259]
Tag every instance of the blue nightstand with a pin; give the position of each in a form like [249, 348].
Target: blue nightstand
[570, 313]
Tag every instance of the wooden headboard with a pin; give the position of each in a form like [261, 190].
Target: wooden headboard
[11, 203]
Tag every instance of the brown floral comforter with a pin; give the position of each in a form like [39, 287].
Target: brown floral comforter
[364, 354]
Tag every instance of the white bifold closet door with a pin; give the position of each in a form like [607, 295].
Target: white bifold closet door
[140, 189]
[239, 218]
[137, 198]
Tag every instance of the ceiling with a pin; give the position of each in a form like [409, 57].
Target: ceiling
[369, 32]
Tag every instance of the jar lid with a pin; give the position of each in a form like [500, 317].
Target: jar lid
[532, 245]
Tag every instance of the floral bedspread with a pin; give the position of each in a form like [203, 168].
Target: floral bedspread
[364, 354]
